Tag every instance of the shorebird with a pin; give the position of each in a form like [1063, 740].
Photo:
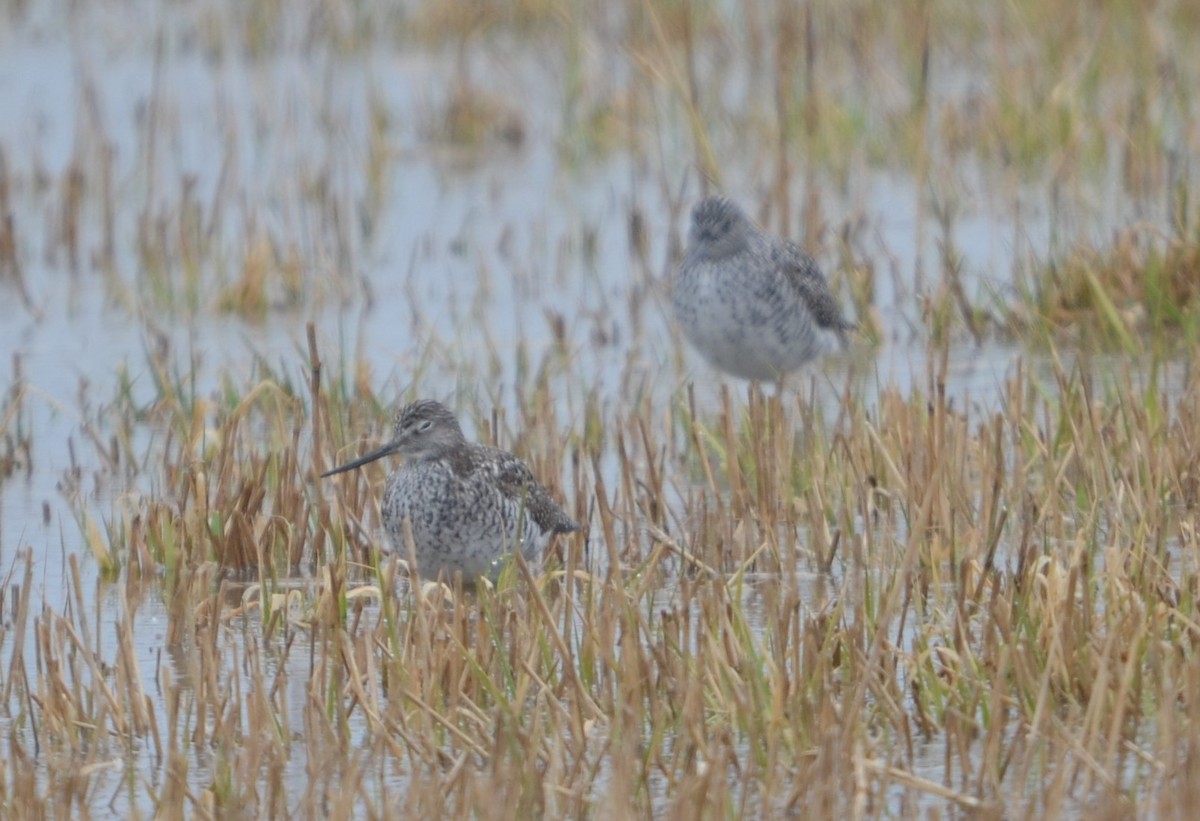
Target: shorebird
[754, 305]
[469, 505]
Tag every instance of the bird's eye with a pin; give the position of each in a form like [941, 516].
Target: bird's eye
[424, 426]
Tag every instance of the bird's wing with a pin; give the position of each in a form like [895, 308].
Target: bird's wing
[802, 271]
[515, 480]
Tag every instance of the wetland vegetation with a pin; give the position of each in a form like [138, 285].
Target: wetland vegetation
[951, 571]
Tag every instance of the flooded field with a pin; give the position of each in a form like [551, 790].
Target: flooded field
[950, 569]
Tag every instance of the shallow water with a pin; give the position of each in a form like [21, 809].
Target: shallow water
[448, 284]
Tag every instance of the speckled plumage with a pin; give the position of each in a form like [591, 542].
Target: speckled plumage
[752, 304]
[468, 504]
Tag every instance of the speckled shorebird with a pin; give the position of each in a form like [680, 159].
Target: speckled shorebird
[755, 305]
[468, 504]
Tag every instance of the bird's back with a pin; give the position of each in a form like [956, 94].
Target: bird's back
[519, 487]
[469, 510]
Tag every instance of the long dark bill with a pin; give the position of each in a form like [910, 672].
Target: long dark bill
[362, 460]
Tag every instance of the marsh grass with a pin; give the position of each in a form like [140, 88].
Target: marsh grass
[15, 425]
[770, 611]
[856, 608]
[1113, 296]
[827, 90]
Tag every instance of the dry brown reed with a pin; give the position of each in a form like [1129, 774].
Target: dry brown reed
[909, 605]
